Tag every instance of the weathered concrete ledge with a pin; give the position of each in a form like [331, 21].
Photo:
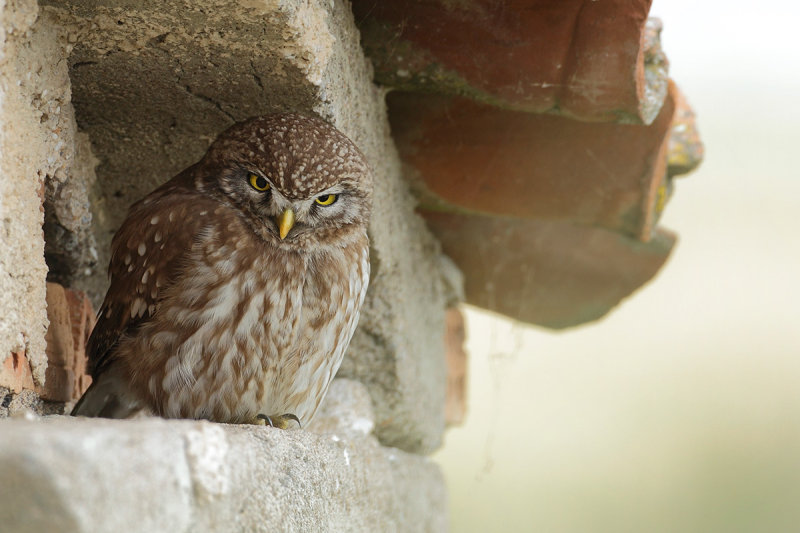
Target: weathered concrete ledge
[91, 475]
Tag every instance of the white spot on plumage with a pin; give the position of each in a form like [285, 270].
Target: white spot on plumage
[137, 308]
[142, 249]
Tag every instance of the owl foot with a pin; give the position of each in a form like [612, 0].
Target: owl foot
[280, 422]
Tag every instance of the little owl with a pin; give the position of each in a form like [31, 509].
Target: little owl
[236, 286]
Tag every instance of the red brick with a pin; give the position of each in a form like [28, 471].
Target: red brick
[15, 372]
[71, 321]
[60, 349]
[83, 319]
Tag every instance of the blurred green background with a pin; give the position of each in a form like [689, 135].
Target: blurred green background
[681, 410]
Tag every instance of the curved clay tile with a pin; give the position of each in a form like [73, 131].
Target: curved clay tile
[555, 274]
[465, 156]
[589, 60]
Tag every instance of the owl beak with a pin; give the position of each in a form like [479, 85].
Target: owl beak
[285, 222]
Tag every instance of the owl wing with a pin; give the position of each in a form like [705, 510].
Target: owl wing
[148, 253]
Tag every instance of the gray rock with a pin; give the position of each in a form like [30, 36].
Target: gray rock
[92, 475]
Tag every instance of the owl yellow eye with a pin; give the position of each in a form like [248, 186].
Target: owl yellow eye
[326, 199]
[259, 183]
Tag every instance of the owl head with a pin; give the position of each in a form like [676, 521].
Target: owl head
[297, 179]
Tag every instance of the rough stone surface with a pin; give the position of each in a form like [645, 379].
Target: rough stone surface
[70, 247]
[555, 274]
[26, 403]
[37, 138]
[579, 58]
[22, 266]
[347, 408]
[208, 477]
[154, 82]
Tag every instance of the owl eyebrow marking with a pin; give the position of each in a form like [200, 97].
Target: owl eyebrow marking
[248, 169]
[335, 189]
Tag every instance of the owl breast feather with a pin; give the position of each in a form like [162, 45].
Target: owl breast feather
[250, 333]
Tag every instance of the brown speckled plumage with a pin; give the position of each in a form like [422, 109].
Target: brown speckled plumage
[210, 313]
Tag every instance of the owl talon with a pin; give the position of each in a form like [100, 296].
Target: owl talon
[290, 416]
[280, 422]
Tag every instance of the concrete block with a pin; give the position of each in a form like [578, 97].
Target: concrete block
[155, 81]
[36, 139]
[70, 246]
[347, 408]
[91, 475]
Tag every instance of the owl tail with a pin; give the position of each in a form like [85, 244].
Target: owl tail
[106, 397]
